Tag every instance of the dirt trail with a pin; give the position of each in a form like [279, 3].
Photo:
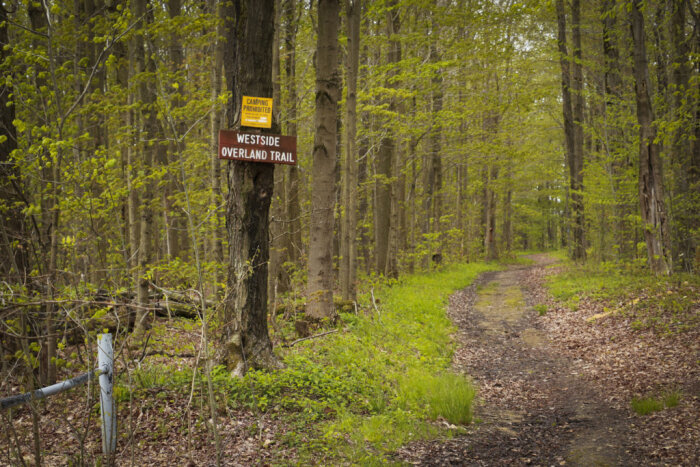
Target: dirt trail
[533, 408]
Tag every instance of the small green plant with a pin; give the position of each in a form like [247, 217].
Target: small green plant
[451, 397]
[541, 309]
[646, 405]
[447, 395]
[672, 399]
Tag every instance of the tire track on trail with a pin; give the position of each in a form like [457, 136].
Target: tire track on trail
[532, 407]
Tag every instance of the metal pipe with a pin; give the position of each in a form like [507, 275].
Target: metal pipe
[105, 360]
[57, 388]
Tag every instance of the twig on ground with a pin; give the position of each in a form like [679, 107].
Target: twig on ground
[310, 337]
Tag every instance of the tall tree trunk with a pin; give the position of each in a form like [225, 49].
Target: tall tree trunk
[572, 113]
[686, 207]
[490, 247]
[612, 134]
[248, 66]
[14, 247]
[294, 247]
[651, 193]
[576, 163]
[320, 286]
[216, 244]
[348, 270]
[141, 54]
[385, 155]
[436, 130]
[278, 281]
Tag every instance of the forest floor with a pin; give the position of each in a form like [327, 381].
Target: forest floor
[555, 388]
[554, 385]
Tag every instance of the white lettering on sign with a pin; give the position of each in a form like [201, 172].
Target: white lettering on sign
[258, 140]
[252, 147]
[278, 156]
[250, 154]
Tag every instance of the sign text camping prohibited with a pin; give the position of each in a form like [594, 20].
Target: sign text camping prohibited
[256, 112]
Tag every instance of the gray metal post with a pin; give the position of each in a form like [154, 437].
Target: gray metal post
[105, 361]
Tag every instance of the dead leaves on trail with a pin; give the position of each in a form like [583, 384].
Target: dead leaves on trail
[624, 363]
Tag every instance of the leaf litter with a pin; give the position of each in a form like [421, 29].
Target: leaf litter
[556, 389]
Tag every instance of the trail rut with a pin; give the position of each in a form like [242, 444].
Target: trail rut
[533, 407]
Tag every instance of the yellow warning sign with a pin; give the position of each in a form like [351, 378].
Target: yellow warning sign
[256, 112]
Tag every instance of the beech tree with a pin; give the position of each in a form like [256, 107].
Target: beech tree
[320, 281]
[348, 268]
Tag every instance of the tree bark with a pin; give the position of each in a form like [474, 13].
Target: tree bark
[278, 281]
[436, 130]
[14, 247]
[651, 194]
[245, 342]
[686, 207]
[294, 247]
[216, 252]
[348, 270]
[386, 154]
[572, 112]
[576, 162]
[613, 134]
[141, 54]
[320, 279]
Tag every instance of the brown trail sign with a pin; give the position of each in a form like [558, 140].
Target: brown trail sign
[251, 147]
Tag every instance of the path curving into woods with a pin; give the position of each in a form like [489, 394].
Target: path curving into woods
[534, 407]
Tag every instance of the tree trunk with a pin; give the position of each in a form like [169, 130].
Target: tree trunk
[13, 259]
[142, 56]
[245, 342]
[572, 114]
[686, 208]
[216, 252]
[490, 249]
[612, 133]
[576, 162]
[436, 131]
[348, 270]
[294, 247]
[320, 281]
[651, 194]
[278, 281]
[385, 154]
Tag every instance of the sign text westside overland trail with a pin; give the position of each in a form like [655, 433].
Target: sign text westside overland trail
[251, 147]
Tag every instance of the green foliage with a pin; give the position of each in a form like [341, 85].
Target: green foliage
[446, 395]
[368, 389]
[672, 399]
[541, 309]
[646, 405]
[650, 404]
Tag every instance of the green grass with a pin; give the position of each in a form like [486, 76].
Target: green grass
[646, 405]
[672, 399]
[650, 404]
[447, 395]
[541, 309]
[376, 385]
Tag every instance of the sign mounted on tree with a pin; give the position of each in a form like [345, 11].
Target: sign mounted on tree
[251, 147]
[256, 112]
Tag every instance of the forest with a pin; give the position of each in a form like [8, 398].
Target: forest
[539, 158]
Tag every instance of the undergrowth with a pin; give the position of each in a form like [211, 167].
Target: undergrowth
[363, 392]
[667, 305]
[650, 404]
